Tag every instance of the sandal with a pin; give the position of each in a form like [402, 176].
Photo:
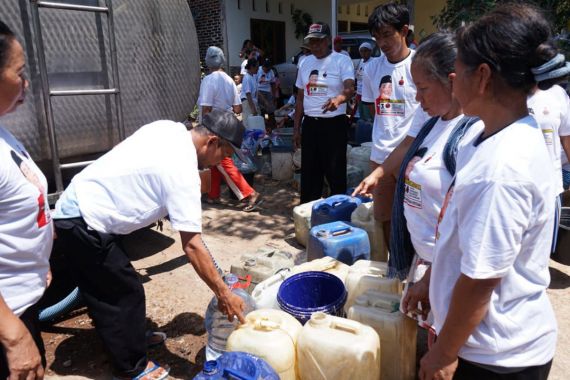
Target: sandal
[254, 202]
[154, 338]
[153, 371]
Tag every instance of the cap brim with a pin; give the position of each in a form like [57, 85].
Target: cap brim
[239, 153]
[315, 35]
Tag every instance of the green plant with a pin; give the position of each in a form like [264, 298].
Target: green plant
[302, 21]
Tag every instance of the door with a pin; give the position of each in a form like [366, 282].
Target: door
[269, 36]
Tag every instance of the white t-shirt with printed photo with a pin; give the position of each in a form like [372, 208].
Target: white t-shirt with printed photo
[426, 182]
[497, 222]
[551, 109]
[249, 86]
[322, 79]
[218, 91]
[360, 72]
[242, 69]
[265, 79]
[26, 230]
[151, 174]
[389, 86]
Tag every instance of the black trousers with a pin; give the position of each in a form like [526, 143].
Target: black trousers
[469, 371]
[323, 143]
[111, 289]
[30, 320]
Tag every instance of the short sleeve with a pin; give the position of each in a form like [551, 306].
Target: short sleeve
[299, 81]
[491, 233]
[206, 97]
[418, 121]
[247, 84]
[346, 68]
[564, 129]
[368, 94]
[181, 189]
[237, 98]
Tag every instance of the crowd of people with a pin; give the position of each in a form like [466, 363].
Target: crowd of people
[470, 135]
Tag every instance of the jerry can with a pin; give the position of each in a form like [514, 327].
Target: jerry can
[261, 265]
[334, 208]
[366, 275]
[302, 220]
[363, 217]
[338, 240]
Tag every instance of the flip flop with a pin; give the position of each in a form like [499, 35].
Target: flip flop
[151, 373]
[254, 206]
[154, 338]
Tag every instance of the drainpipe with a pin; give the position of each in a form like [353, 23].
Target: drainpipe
[334, 5]
[225, 47]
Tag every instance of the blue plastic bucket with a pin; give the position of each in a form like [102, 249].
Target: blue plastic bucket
[306, 293]
[237, 365]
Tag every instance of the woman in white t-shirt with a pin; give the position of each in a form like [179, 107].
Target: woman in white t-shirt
[26, 232]
[490, 263]
[249, 87]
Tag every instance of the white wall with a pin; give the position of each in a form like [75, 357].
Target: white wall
[238, 20]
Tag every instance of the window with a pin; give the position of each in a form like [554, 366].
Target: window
[358, 10]
[266, 6]
[253, 5]
[292, 8]
[339, 10]
[239, 4]
[366, 11]
[280, 8]
[348, 9]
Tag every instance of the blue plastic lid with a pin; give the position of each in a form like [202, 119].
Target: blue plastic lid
[210, 367]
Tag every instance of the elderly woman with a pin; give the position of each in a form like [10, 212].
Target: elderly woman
[26, 232]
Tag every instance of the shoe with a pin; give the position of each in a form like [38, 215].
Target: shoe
[253, 202]
[154, 338]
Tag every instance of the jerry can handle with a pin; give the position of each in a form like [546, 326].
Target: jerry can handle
[341, 231]
[347, 325]
[243, 283]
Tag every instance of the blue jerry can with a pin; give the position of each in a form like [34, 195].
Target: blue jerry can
[340, 241]
[334, 208]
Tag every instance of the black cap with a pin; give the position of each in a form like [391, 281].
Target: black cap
[226, 126]
[318, 30]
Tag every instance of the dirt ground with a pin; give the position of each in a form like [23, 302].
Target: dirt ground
[177, 298]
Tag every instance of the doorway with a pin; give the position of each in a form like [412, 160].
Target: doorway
[269, 36]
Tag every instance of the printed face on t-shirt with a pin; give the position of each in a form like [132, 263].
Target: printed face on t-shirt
[386, 90]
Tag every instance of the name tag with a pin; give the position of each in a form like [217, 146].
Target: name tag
[413, 194]
[390, 107]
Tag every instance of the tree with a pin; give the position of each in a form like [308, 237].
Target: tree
[455, 12]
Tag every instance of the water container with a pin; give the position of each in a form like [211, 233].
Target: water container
[562, 252]
[297, 158]
[333, 348]
[360, 157]
[272, 336]
[255, 122]
[397, 332]
[306, 293]
[261, 265]
[217, 324]
[283, 137]
[281, 163]
[340, 241]
[237, 365]
[334, 208]
[354, 175]
[302, 220]
[367, 275]
[363, 217]
[363, 131]
[265, 293]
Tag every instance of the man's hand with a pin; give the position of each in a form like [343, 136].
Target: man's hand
[232, 306]
[417, 293]
[333, 103]
[24, 360]
[435, 365]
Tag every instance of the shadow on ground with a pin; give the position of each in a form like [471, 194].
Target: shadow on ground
[184, 358]
[558, 279]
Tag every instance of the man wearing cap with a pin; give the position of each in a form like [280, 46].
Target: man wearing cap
[151, 174]
[325, 81]
[337, 46]
[218, 91]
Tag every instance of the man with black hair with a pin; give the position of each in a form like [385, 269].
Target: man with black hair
[390, 93]
[325, 82]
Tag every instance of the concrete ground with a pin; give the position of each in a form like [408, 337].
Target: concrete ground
[177, 298]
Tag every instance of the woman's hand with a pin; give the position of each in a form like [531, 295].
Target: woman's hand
[367, 185]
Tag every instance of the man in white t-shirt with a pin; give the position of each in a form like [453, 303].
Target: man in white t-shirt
[325, 81]
[365, 51]
[151, 174]
[389, 92]
[217, 89]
